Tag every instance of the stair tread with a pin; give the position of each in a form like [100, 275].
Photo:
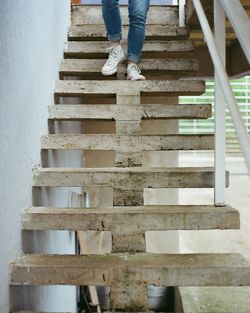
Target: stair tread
[109, 112]
[128, 220]
[85, 66]
[152, 48]
[152, 269]
[98, 32]
[129, 170]
[81, 87]
[128, 178]
[152, 64]
[129, 143]
[87, 14]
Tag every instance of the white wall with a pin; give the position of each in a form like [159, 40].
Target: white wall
[32, 34]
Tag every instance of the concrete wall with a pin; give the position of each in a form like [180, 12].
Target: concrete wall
[31, 42]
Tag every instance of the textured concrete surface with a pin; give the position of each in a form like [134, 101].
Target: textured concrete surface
[219, 299]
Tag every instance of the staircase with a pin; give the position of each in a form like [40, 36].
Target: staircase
[170, 67]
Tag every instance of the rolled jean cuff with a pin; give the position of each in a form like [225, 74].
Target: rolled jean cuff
[134, 57]
[115, 37]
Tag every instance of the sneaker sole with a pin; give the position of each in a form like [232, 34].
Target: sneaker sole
[137, 79]
[109, 73]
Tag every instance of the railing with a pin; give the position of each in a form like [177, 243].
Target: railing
[223, 92]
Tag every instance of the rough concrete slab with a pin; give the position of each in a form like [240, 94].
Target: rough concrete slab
[136, 178]
[153, 32]
[89, 14]
[71, 88]
[147, 111]
[128, 143]
[131, 220]
[157, 49]
[88, 67]
[151, 269]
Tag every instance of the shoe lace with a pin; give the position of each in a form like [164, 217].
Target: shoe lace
[113, 55]
[135, 69]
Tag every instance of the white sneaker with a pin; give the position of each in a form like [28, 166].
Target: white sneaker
[134, 73]
[116, 55]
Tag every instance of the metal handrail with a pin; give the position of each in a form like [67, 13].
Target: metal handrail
[223, 90]
[224, 82]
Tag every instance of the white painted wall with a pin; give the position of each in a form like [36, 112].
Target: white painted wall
[32, 34]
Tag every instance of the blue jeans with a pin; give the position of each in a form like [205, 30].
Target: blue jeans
[137, 16]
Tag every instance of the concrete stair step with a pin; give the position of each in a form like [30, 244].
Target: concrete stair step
[153, 32]
[112, 142]
[147, 111]
[89, 14]
[142, 269]
[89, 67]
[215, 299]
[130, 178]
[151, 49]
[132, 220]
[77, 88]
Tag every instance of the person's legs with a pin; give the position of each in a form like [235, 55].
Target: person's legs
[112, 19]
[113, 24]
[138, 10]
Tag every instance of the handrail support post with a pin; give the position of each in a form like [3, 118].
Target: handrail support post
[219, 108]
[182, 14]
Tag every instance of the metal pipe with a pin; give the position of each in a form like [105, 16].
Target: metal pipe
[182, 13]
[220, 109]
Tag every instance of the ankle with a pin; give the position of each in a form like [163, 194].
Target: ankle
[115, 44]
[132, 62]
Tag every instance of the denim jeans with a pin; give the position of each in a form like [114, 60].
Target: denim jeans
[137, 17]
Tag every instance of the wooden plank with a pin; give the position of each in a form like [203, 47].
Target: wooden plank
[132, 220]
[191, 16]
[128, 143]
[136, 178]
[192, 19]
[88, 67]
[90, 49]
[152, 269]
[153, 32]
[71, 88]
[110, 112]
[215, 299]
[240, 22]
[89, 14]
